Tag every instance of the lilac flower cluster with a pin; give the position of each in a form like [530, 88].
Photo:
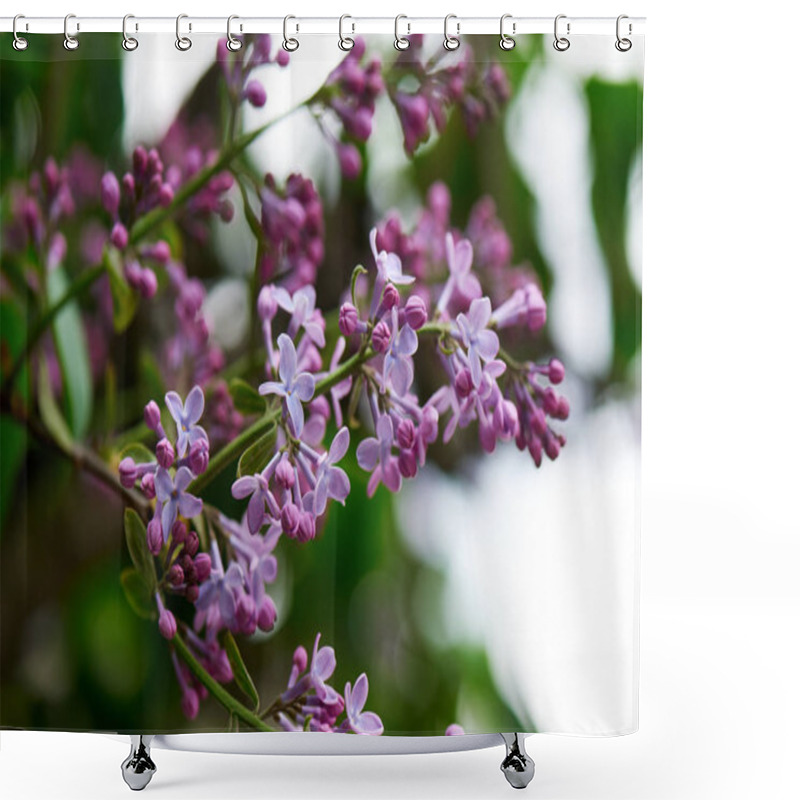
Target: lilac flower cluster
[293, 225]
[238, 66]
[443, 81]
[350, 93]
[309, 703]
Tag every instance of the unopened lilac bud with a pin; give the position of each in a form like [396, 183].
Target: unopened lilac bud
[348, 319]
[119, 236]
[535, 449]
[255, 94]
[300, 659]
[416, 312]
[552, 447]
[165, 453]
[192, 593]
[139, 160]
[487, 436]
[562, 412]
[166, 624]
[550, 402]
[166, 194]
[127, 472]
[175, 575]
[555, 371]
[267, 305]
[390, 298]
[128, 185]
[454, 730]
[245, 614]
[290, 519]
[202, 566]
[349, 160]
[152, 416]
[406, 434]
[190, 703]
[506, 420]
[463, 383]
[381, 337]
[307, 528]
[148, 485]
[226, 210]
[192, 543]
[267, 614]
[155, 536]
[148, 283]
[198, 456]
[408, 464]
[109, 193]
[284, 474]
[538, 422]
[160, 252]
[179, 531]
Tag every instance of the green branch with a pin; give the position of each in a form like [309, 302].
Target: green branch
[215, 689]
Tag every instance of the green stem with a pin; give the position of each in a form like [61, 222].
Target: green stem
[215, 689]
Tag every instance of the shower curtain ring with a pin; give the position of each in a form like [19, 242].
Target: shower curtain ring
[233, 43]
[129, 43]
[183, 43]
[400, 42]
[561, 43]
[345, 42]
[70, 42]
[507, 42]
[20, 42]
[290, 44]
[451, 42]
[623, 44]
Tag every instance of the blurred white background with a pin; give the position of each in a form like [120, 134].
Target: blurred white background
[720, 548]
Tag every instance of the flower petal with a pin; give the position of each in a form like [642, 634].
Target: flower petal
[272, 387]
[367, 453]
[175, 406]
[189, 505]
[474, 365]
[288, 359]
[255, 512]
[402, 375]
[338, 484]
[462, 257]
[407, 341]
[168, 515]
[339, 446]
[295, 409]
[480, 312]
[358, 697]
[244, 486]
[370, 724]
[304, 386]
[163, 484]
[283, 299]
[195, 402]
[390, 474]
[324, 663]
[487, 344]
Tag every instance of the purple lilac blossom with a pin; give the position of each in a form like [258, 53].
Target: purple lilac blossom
[294, 387]
[187, 416]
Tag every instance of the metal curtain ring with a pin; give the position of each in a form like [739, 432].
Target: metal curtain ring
[233, 44]
[20, 43]
[290, 44]
[507, 42]
[451, 42]
[70, 42]
[129, 43]
[623, 44]
[345, 42]
[561, 43]
[400, 42]
[182, 42]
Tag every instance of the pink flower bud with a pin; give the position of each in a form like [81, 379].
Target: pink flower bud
[166, 624]
[284, 474]
[381, 337]
[454, 730]
[190, 703]
[245, 614]
[416, 312]
[390, 298]
[198, 456]
[179, 531]
[119, 236]
[166, 195]
[552, 447]
[202, 566]
[148, 485]
[109, 193]
[192, 593]
[307, 528]
[155, 536]
[127, 472]
[290, 519]
[348, 319]
[349, 161]
[556, 371]
[562, 412]
[267, 305]
[191, 544]
[406, 434]
[300, 659]
[282, 59]
[255, 94]
[175, 575]
[160, 252]
[148, 283]
[152, 415]
[165, 453]
[408, 464]
[267, 614]
[505, 420]
[463, 383]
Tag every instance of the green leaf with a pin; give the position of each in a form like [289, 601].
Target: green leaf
[245, 398]
[136, 537]
[50, 412]
[73, 355]
[137, 594]
[240, 673]
[255, 458]
[125, 300]
[138, 452]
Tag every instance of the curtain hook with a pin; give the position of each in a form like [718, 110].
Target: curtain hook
[183, 43]
[20, 43]
[70, 42]
[451, 42]
[400, 42]
[623, 44]
[129, 43]
[345, 42]
[234, 44]
[290, 44]
[561, 43]
[507, 42]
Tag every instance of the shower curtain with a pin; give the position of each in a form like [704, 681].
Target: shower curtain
[320, 385]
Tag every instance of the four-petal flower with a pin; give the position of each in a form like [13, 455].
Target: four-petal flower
[481, 343]
[174, 498]
[186, 417]
[295, 388]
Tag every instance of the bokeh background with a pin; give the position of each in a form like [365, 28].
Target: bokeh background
[423, 591]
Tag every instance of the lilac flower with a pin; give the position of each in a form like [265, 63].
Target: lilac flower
[255, 486]
[219, 593]
[398, 366]
[295, 388]
[481, 343]
[526, 305]
[374, 454]
[332, 481]
[358, 720]
[459, 262]
[186, 417]
[390, 268]
[323, 663]
[173, 497]
[302, 306]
